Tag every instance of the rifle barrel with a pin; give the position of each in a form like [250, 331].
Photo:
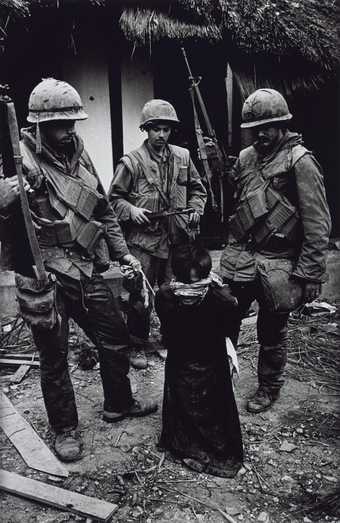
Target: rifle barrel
[187, 63]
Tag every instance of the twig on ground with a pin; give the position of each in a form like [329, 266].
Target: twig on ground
[205, 503]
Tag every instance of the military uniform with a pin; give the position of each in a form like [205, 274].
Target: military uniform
[281, 225]
[157, 182]
[82, 293]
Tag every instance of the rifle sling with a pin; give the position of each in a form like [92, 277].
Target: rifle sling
[14, 136]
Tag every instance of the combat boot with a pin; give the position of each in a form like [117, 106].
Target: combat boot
[262, 400]
[137, 409]
[67, 446]
[138, 359]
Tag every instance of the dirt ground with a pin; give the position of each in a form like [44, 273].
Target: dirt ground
[291, 451]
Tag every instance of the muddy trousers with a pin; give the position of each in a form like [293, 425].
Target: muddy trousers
[157, 270]
[93, 307]
[272, 332]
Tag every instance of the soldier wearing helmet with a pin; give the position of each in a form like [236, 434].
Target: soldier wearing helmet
[78, 235]
[154, 178]
[278, 234]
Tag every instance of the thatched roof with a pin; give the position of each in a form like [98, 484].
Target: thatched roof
[297, 37]
[280, 28]
[14, 7]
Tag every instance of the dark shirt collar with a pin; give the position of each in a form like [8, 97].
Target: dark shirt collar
[159, 158]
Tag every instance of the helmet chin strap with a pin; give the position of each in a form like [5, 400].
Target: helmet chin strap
[38, 147]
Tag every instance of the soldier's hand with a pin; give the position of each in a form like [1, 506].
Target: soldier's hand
[194, 219]
[312, 291]
[9, 191]
[139, 215]
[129, 259]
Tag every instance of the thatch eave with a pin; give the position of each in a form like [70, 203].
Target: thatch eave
[14, 7]
[303, 29]
[144, 27]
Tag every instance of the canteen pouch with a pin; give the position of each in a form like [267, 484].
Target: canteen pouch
[37, 301]
[282, 293]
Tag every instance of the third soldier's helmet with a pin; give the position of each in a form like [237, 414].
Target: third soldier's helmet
[264, 106]
[53, 99]
[158, 110]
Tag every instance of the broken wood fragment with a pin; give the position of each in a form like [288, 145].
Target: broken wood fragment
[56, 496]
[27, 442]
[9, 361]
[21, 372]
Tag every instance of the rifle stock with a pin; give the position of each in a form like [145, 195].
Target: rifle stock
[11, 132]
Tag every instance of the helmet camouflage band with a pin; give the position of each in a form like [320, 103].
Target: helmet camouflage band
[264, 106]
[53, 99]
[158, 110]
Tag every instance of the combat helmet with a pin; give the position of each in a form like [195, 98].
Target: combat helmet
[53, 99]
[158, 110]
[264, 106]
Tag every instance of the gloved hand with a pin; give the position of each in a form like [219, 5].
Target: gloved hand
[139, 215]
[312, 291]
[129, 259]
[9, 191]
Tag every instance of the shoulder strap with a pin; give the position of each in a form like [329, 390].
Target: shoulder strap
[298, 151]
[138, 159]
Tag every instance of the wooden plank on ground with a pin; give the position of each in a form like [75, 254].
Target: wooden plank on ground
[56, 496]
[9, 361]
[34, 356]
[27, 442]
[19, 375]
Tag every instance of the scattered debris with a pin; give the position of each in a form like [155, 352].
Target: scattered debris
[318, 308]
[287, 447]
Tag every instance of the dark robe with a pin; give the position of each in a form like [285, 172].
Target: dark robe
[200, 417]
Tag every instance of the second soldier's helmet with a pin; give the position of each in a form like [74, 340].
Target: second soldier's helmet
[53, 99]
[264, 106]
[158, 110]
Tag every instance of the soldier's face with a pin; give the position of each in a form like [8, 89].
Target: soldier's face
[59, 133]
[266, 137]
[158, 135]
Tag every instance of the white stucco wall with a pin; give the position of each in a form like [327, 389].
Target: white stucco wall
[137, 88]
[88, 73]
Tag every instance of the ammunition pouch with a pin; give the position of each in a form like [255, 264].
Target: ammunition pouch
[282, 293]
[66, 232]
[282, 219]
[37, 301]
[252, 209]
[262, 214]
[72, 193]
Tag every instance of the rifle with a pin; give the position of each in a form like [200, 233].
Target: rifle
[164, 214]
[36, 296]
[11, 132]
[222, 157]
